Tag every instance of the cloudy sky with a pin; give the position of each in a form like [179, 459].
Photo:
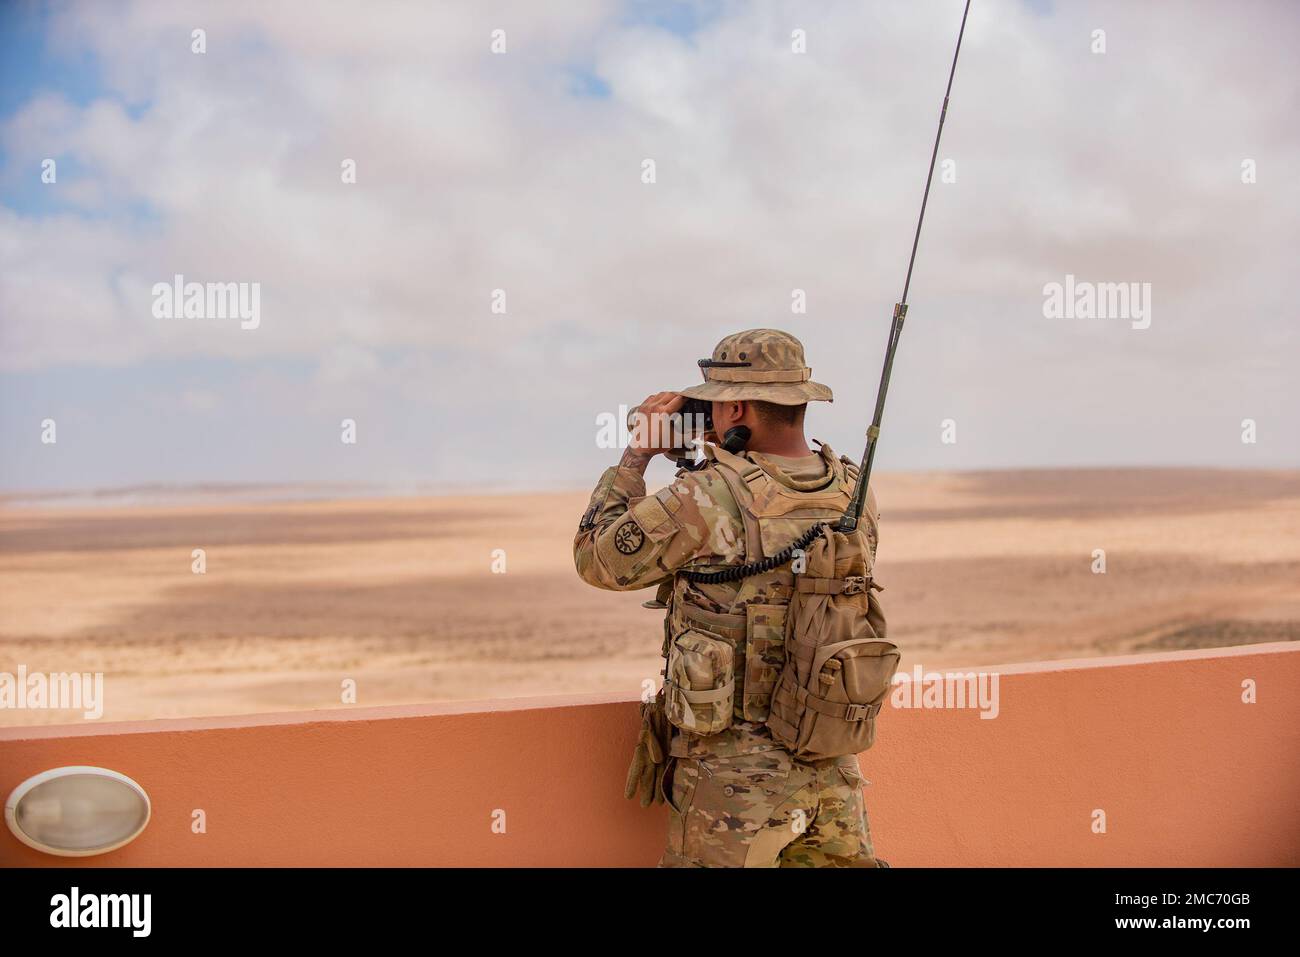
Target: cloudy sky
[775, 170]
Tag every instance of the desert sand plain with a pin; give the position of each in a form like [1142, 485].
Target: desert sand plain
[979, 568]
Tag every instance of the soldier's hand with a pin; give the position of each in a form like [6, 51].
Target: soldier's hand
[654, 428]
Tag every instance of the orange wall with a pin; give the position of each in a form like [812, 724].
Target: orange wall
[1187, 775]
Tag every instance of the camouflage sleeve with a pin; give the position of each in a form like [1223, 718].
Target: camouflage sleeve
[637, 540]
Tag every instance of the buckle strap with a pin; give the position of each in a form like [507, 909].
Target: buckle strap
[704, 697]
[837, 709]
[852, 585]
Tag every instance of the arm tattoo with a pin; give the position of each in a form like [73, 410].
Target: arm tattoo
[635, 459]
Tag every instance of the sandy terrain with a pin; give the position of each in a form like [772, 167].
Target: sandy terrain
[399, 594]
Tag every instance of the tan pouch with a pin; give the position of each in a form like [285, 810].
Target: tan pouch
[853, 681]
[839, 665]
[699, 689]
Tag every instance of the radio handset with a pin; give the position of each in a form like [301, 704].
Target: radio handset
[736, 439]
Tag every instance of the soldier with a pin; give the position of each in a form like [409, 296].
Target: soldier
[736, 797]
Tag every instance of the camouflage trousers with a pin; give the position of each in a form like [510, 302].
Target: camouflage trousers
[767, 810]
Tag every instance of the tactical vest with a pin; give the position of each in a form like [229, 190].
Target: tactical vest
[723, 667]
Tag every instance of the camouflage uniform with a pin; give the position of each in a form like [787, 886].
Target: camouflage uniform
[736, 798]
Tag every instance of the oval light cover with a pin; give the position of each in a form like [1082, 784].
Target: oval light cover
[77, 811]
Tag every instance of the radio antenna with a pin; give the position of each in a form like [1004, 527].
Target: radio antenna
[849, 520]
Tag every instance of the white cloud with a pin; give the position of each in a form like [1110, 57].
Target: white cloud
[776, 171]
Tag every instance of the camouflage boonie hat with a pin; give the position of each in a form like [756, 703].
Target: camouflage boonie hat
[761, 364]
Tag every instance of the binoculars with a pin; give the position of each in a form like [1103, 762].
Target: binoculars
[687, 424]
[678, 430]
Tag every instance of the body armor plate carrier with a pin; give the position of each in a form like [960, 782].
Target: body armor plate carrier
[803, 648]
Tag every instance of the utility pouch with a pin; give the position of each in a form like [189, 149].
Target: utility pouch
[699, 687]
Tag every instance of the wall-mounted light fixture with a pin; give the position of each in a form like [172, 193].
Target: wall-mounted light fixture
[77, 811]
